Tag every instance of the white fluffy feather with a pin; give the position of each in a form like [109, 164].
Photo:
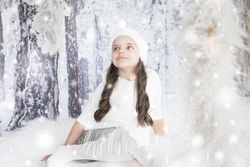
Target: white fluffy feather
[208, 43]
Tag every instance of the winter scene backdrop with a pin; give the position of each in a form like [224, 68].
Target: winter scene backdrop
[53, 53]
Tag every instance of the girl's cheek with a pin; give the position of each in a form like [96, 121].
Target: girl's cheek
[114, 55]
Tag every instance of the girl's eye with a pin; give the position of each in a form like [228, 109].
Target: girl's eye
[115, 48]
[130, 47]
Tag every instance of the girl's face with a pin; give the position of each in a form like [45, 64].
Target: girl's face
[125, 53]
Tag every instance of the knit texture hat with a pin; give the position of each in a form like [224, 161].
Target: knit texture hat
[139, 40]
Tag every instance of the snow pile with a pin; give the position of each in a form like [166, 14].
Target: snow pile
[26, 146]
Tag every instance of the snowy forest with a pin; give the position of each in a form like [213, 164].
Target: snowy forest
[54, 52]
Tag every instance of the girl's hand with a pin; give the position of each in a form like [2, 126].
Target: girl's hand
[46, 157]
[158, 126]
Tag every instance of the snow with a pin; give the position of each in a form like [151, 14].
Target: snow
[28, 145]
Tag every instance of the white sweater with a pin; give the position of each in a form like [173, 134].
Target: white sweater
[123, 107]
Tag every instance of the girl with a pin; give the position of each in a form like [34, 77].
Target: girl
[128, 99]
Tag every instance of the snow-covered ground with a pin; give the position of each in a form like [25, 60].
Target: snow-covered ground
[180, 148]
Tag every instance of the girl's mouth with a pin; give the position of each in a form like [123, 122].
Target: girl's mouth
[122, 58]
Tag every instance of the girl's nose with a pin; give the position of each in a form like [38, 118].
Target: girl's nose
[121, 51]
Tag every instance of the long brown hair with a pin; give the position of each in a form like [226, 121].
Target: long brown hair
[142, 104]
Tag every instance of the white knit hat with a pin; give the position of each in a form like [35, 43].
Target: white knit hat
[139, 40]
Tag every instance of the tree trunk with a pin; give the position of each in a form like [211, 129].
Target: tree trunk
[26, 13]
[42, 92]
[243, 58]
[36, 89]
[2, 62]
[72, 61]
[83, 80]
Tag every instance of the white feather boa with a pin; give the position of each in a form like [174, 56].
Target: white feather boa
[208, 41]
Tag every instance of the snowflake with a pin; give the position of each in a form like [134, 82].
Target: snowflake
[73, 83]
[39, 2]
[144, 21]
[215, 75]
[238, 72]
[46, 18]
[197, 141]
[198, 55]
[28, 162]
[232, 122]
[197, 83]
[45, 139]
[225, 97]
[80, 100]
[122, 24]
[135, 114]
[233, 138]
[149, 156]
[219, 155]
[110, 86]
[228, 105]
[74, 152]
[125, 98]
[90, 35]
[114, 107]
[157, 59]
